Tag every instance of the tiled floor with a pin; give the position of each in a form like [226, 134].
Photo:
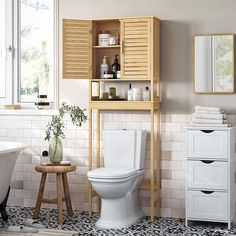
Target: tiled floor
[81, 223]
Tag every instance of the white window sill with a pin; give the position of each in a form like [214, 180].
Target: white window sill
[28, 112]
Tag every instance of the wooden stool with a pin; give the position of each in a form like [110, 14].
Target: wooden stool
[61, 172]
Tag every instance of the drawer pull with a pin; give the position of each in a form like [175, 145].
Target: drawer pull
[207, 192]
[207, 131]
[207, 162]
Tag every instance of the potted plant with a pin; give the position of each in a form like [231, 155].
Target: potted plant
[54, 132]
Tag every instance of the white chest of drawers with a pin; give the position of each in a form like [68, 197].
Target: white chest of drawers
[210, 174]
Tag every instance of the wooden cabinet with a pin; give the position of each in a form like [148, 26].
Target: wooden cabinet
[138, 48]
[77, 51]
[138, 51]
[210, 188]
[135, 51]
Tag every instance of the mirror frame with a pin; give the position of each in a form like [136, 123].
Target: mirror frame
[193, 62]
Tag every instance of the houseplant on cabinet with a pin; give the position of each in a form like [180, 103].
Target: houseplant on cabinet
[54, 132]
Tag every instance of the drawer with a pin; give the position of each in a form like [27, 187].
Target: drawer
[207, 174]
[207, 205]
[208, 144]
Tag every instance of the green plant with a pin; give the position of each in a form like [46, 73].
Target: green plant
[56, 125]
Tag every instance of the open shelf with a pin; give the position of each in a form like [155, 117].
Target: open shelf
[120, 80]
[106, 47]
[124, 105]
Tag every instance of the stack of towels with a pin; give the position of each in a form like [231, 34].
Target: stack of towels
[209, 116]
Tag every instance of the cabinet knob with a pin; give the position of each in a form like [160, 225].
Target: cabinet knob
[207, 131]
[207, 162]
[207, 192]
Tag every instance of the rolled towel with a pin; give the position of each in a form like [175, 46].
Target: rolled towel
[209, 125]
[209, 116]
[205, 108]
[209, 121]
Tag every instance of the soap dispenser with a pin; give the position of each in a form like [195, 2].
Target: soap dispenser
[103, 67]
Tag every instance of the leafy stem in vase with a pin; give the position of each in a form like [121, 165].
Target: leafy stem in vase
[56, 125]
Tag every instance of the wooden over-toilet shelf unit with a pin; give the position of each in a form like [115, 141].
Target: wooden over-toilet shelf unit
[138, 50]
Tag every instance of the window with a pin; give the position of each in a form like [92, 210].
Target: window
[27, 56]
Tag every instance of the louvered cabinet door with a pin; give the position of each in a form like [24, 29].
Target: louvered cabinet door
[135, 48]
[77, 51]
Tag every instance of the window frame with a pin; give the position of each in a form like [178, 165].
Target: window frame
[9, 54]
[13, 70]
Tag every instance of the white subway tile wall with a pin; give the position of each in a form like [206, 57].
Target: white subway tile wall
[31, 130]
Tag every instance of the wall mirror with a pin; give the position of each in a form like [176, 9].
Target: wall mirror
[213, 64]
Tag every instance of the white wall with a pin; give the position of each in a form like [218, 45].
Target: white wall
[180, 19]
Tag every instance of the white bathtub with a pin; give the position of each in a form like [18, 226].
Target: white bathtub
[9, 152]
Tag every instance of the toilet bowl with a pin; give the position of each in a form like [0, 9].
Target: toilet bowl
[117, 182]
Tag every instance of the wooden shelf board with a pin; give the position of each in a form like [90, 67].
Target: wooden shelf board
[105, 47]
[124, 105]
[119, 80]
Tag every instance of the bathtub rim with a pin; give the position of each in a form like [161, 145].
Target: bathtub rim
[11, 146]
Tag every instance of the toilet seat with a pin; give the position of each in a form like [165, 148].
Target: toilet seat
[113, 174]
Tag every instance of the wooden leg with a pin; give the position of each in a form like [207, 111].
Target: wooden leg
[90, 189]
[98, 145]
[158, 167]
[40, 195]
[152, 192]
[67, 194]
[98, 204]
[59, 199]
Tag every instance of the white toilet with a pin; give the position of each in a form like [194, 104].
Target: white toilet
[117, 182]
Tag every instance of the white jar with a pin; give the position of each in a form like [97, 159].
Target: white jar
[103, 39]
[137, 94]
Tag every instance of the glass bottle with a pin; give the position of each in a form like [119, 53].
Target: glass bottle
[115, 66]
[130, 93]
[146, 94]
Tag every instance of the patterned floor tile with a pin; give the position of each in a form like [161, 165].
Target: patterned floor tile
[83, 225]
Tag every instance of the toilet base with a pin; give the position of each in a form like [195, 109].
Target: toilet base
[120, 213]
[118, 224]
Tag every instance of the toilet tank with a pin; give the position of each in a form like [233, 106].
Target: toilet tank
[124, 148]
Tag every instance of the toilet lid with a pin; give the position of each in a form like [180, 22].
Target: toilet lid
[111, 173]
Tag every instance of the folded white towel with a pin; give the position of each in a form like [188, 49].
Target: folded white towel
[209, 125]
[209, 121]
[210, 112]
[209, 116]
[205, 108]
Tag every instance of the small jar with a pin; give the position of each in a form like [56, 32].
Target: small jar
[137, 94]
[114, 39]
[112, 93]
[44, 159]
[118, 74]
[103, 38]
[105, 95]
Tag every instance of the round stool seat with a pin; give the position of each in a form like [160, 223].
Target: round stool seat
[55, 169]
[61, 183]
